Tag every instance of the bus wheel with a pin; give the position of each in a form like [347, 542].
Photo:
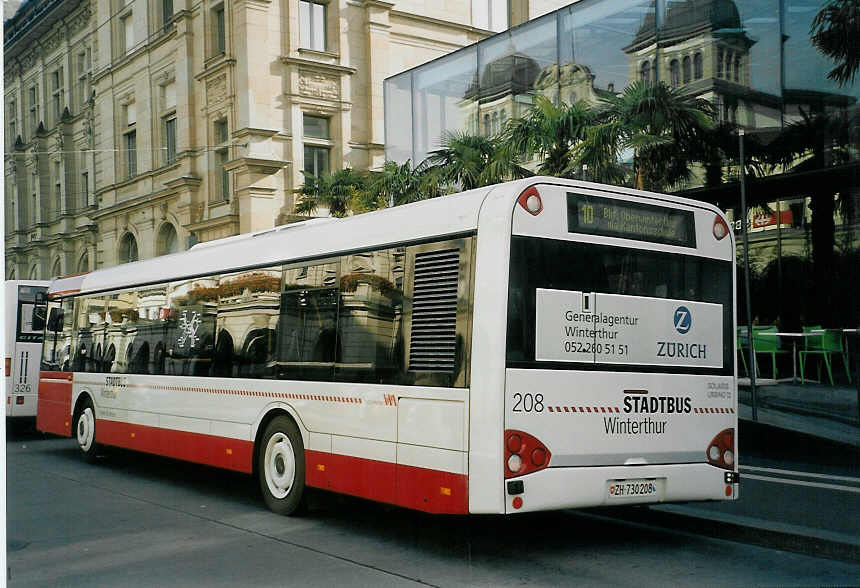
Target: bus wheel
[85, 430]
[281, 466]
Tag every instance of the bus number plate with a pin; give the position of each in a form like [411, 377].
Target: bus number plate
[632, 489]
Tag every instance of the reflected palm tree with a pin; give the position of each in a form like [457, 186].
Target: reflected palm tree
[834, 32]
[660, 124]
[467, 161]
[547, 132]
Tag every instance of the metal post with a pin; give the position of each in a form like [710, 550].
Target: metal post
[747, 275]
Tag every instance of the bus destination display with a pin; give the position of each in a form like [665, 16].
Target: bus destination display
[608, 217]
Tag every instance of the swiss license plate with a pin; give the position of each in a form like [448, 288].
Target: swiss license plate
[631, 488]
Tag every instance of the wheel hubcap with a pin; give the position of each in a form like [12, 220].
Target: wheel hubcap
[280, 465]
[86, 429]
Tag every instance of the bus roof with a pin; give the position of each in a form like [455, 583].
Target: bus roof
[438, 217]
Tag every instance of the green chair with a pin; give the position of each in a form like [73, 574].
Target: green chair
[824, 344]
[767, 344]
[742, 348]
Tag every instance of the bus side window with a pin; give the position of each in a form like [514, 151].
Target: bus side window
[247, 323]
[190, 337]
[370, 317]
[307, 346]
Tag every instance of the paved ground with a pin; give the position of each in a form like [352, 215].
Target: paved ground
[136, 520]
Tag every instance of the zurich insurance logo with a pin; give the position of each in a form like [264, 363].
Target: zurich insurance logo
[683, 320]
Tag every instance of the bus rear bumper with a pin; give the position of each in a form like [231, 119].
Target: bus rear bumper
[581, 487]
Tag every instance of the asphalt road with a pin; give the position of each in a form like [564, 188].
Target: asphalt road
[138, 520]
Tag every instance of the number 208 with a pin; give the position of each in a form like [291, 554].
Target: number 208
[528, 402]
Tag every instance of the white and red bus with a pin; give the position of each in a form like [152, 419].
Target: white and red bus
[25, 304]
[539, 344]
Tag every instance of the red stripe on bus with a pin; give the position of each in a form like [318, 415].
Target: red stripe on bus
[54, 407]
[221, 452]
[422, 489]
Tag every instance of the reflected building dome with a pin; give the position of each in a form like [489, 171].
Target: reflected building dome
[512, 74]
[687, 18]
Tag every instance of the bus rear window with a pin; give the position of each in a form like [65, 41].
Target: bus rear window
[586, 267]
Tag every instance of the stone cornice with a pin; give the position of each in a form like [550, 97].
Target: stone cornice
[268, 163]
[441, 23]
[318, 65]
[213, 222]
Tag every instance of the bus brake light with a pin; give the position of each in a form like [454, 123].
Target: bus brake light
[721, 229]
[524, 454]
[530, 201]
[8, 366]
[720, 451]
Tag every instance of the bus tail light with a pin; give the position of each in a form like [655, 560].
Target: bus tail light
[721, 451]
[524, 454]
[721, 229]
[530, 201]
[8, 366]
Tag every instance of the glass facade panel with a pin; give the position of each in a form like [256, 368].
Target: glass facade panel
[398, 100]
[444, 98]
[514, 67]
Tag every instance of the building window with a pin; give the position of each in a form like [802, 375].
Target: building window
[57, 93]
[316, 127]
[729, 60]
[166, 13]
[719, 63]
[85, 189]
[491, 15]
[645, 72]
[33, 95]
[317, 150]
[316, 160]
[312, 17]
[487, 124]
[12, 117]
[219, 39]
[167, 241]
[127, 248]
[222, 177]
[130, 140]
[737, 68]
[686, 67]
[131, 153]
[127, 33]
[84, 60]
[34, 208]
[697, 66]
[58, 188]
[170, 139]
[675, 73]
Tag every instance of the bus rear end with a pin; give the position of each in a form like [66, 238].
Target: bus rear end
[620, 385]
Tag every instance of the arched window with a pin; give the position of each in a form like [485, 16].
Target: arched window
[127, 248]
[109, 358]
[686, 67]
[56, 270]
[675, 72]
[167, 241]
[495, 122]
[737, 68]
[84, 262]
[645, 72]
[12, 275]
[719, 63]
[487, 125]
[34, 272]
[728, 65]
[698, 72]
[504, 117]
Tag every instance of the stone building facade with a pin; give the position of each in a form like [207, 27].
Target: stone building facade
[146, 127]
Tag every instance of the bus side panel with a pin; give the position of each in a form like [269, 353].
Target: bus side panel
[423, 489]
[55, 403]
[211, 450]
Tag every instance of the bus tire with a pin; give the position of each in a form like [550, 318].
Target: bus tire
[281, 467]
[85, 430]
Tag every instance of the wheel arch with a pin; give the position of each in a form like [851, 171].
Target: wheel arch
[266, 416]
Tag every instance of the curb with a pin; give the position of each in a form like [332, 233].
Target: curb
[753, 531]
